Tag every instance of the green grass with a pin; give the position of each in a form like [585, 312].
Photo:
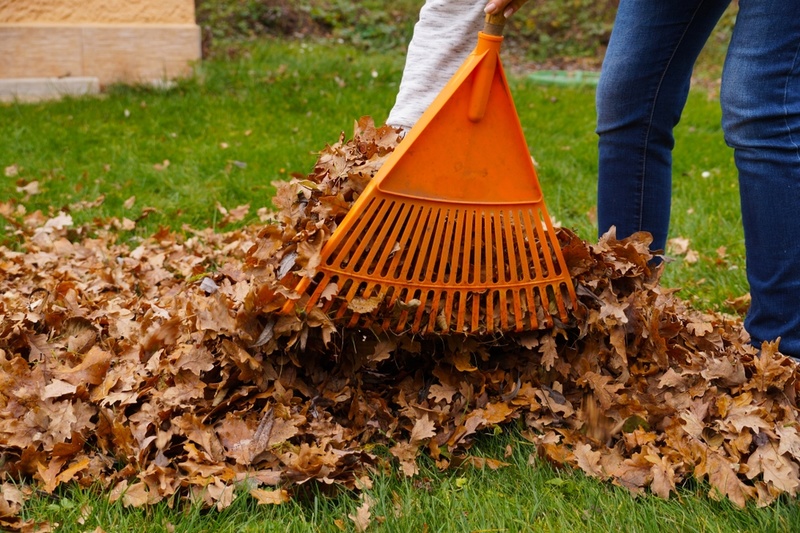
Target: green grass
[294, 98]
[242, 123]
[523, 496]
[272, 107]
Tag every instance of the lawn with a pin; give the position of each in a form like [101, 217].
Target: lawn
[222, 137]
[185, 156]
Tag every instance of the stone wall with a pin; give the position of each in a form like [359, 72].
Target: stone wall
[132, 41]
[98, 11]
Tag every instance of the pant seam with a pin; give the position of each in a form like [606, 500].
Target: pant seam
[653, 112]
[786, 102]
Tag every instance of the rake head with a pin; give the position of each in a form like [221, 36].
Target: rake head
[452, 234]
[426, 268]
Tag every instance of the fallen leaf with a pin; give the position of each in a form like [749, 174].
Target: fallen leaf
[364, 305]
[363, 517]
[31, 188]
[424, 428]
[588, 460]
[270, 497]
[11, 171]
[678, 245]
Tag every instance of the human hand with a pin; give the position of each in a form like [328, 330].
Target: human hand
[506, 7]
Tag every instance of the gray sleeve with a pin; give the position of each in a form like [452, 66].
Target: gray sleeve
[445, 34]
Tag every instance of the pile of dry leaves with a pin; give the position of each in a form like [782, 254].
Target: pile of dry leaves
[168, 369]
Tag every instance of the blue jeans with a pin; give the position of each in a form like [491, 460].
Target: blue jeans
[643, 88]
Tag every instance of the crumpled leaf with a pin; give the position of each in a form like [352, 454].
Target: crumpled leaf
[118, 365]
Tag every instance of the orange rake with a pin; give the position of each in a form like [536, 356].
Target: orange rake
[452, 234]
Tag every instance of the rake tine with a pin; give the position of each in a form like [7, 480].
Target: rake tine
[344, 253]
[378, 243]
[423, 298]
[404, 241]
[398, 222]
[530, 293]
[414, 244]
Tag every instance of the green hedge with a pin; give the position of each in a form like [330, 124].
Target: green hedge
[552, 31]
[544, 29]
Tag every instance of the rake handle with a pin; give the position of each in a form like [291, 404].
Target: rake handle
[496, 22]
[492, 33]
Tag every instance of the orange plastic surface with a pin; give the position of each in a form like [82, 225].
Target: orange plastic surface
[452, 234]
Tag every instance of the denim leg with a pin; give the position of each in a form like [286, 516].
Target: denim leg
[643, 88]
[760, 100]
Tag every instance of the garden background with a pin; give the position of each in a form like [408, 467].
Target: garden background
[279, 81]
